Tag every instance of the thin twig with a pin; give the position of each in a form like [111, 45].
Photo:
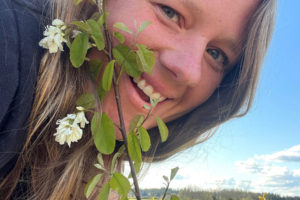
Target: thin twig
[101, 7]
[166, 191]
[119, 107]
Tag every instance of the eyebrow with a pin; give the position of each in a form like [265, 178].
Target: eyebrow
[231, 44]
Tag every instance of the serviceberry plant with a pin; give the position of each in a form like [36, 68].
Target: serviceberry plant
[133, 59]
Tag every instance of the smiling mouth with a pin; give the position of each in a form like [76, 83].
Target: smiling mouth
[146, 91]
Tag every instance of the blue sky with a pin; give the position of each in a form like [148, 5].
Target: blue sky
[259, 152]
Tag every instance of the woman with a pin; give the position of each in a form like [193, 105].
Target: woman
[206, 71]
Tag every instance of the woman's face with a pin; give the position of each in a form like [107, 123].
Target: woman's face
[195, 43]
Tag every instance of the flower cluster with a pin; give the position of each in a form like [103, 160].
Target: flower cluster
[70, 128]
[54, 36]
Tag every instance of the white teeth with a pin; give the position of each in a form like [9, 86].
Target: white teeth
[155, 96]
[136, 79]
[141, 84]
[161, 99]
[148, 90]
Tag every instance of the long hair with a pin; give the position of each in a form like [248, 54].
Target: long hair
[56, 172]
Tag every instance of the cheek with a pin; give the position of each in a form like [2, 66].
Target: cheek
[205, 88]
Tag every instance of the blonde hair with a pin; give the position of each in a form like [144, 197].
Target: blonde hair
[56, 172]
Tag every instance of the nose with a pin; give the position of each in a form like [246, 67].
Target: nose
[183, 59]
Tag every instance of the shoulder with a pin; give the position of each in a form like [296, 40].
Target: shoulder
[33, 5]
[21, 24]
[21, 27]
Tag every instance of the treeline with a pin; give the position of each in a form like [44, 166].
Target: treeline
[189, 194]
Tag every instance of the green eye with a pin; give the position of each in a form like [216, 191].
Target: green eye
[170, 13]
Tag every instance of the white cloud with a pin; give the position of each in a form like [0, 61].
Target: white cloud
[272, 177]
[261, 173]
[250, 166]
[287, 155]
[296, 172]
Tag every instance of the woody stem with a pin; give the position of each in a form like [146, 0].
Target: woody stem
[120, 113]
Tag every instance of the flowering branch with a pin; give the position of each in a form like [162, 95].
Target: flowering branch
[79, 37]
[122, 125]
[54, 36]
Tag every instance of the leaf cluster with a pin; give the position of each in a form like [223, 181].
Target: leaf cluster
[128, 57]
[168, 181]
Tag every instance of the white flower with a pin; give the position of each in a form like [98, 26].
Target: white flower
[68, 130]
[58, 22]
[80, 117]
[80, 108]
[54, 36]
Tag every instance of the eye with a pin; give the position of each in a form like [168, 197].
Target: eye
[170, 13]
[218, 56]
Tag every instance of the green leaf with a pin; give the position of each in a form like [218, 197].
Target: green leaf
[117, 155]
[82, 26]
[166, 179]
[144, 25]
[122, 27]
[86, 100]
[108, 75]
[101, 92]
[145, 58]
[102, 19]
[121, 149]
[95, 68]
[174, 172]
[100, 159]
[79, 49]
[124, 198]
[127, 58]
[98, 166]
[144, 139]
[163, 129]
[76, 2]
[97, 35]
[174, 197]
[113, 162]
[67, 38]
[96, 122]
[119, 37]
[137, 166]
[134, 149]
[136, 122]
[96, 15]
[146, 107]
[103, 133]
[120, 183]
[104, 192]
[91, 185]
